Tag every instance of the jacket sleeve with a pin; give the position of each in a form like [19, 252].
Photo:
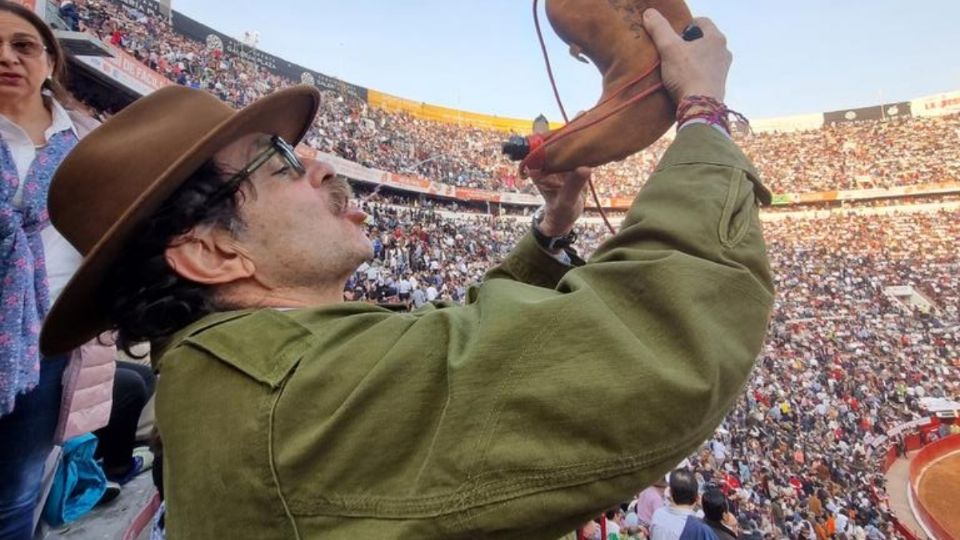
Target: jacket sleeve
[530, 264]
[531, 409]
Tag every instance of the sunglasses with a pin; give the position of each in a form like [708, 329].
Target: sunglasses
[277, 146]
[26, 48]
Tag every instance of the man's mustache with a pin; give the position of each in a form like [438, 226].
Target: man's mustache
[340, 194]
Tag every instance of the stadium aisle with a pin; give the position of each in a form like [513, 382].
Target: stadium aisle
[897, 477]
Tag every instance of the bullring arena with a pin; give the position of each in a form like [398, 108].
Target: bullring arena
[938, 488]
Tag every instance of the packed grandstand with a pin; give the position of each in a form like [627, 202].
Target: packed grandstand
[866, 323]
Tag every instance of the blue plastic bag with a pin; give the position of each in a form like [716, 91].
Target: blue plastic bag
[78, 483]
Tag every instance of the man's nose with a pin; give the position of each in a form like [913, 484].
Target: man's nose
[318, 171]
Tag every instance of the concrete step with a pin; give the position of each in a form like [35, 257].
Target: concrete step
[109, 521]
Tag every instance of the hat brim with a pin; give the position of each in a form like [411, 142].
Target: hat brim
[75, 317]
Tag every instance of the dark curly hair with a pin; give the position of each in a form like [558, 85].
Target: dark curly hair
[142, 295]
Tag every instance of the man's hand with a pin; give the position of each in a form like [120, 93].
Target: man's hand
[563, 196]
[690, 68]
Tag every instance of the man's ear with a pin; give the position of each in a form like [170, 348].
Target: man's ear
[209, 256]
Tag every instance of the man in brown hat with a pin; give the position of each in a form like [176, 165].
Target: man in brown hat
[288, 413]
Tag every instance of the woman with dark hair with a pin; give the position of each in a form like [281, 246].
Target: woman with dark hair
[39, 125]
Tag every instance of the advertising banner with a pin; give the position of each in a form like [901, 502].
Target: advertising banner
[147, 7]
[422, 185]
[442, 190]
[880, 193]
[873, 441]
[127, 70]
[908, 426]
[617, 202]
[877, 112]
[787, 124]
[780, 199]
[216, 40]
[821, 196]
[415, 184]
[468, 194]
[521, 199]
[435, 113]
[938, 105]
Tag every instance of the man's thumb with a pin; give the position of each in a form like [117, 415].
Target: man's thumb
[659, 28]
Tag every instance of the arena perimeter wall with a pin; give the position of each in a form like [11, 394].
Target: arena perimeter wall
[930, 453]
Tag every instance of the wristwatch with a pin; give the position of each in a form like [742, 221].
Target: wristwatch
[550, 243]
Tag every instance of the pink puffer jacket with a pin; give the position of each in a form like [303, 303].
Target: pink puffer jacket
[87, 390]
[88, 378]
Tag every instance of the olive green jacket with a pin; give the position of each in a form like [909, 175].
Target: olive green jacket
[551, 395]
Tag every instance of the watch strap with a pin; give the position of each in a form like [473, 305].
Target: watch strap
[552, 243]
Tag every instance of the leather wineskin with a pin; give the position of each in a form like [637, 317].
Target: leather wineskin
[610, 33]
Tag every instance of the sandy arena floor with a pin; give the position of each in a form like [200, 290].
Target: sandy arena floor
[939, 492]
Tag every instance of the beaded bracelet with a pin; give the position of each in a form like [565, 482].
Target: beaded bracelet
[708, 109]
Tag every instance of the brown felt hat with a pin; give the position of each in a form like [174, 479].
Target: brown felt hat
[124, 170]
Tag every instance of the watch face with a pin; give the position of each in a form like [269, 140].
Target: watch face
[538, 214]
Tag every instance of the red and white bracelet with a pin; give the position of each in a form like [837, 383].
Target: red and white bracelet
[707, 110]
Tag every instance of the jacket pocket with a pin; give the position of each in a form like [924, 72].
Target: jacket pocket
[265, 345]
[739, 209]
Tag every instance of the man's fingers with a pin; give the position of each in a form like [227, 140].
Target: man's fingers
[566, 182]
[579, 176]
[582, 174]
[659, 29]
[575, 181]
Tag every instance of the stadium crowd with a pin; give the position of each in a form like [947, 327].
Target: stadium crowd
[860, 155]
[844, 361]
